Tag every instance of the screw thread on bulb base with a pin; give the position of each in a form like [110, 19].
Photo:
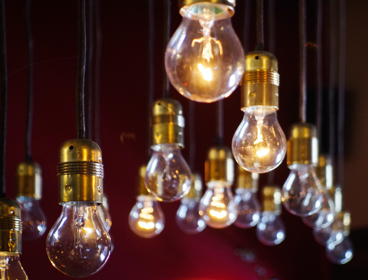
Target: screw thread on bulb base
[10, 226]
[247, 180]
[272, 199]
[29, 181]
[219, 165]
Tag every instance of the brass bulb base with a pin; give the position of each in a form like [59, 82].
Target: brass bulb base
[343, 222]
[167, 122]
[80, 171]
[260, 85]
[272, 199]
[324, 172]
[229, 3]
[10, 226]
[29, 180]
[141, 187]
[196, 188]
[302, 146]
[219, 165]
[247, 180]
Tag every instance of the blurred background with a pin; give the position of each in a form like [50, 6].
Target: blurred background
[229, 253]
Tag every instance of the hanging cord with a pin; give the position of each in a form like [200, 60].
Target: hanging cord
[319, 73]
[247, 21]
[220, 123]
[192, 144]
[302, 61]
[4, 98]
[341, 96]
[97, 76]
[271, 26]
[167, 31]
[30, 83]
[82, 48]
[259, 26]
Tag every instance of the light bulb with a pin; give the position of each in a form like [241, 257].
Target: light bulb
[270, 229]
[248, 208]
[168, 176]
[340, 253]
[105, 214]
[325, 216]
[259, 144]
[217, 206]
[204, 59]
[302, 191]
[78, 245]
[188, 218]
[146, 218]
[33, 218]
[322, 235]
[10, 267]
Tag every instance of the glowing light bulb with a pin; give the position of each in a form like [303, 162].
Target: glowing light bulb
[204, 59]
[322, 235]
[146, 218]
[105, 214]
[78, 245]
[217, 206]
[10, 267]
[340, 253]
[248, 208]
[302, 191]
[270, 229]
[33, 218]
[259, 144]
[168, 176]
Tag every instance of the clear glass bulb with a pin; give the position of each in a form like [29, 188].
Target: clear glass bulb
[340, 253]
[33, 218]
[146, 218]
[204, 59]
[248, 208]
[259, 144]
[10, 267]
[302, 191]
[105, 217]
[188, 218]
[168, 176]
[217, 206]
[322, 235]
[270, 229]
[78, 245]
[325, 216]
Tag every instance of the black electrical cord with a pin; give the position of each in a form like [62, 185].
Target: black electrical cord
[151, 64]
[97, 77]
[319, 73]
[82, 48]
[259, 26]
[302, 61]
[30, 83]
[247, 22]
[220, 123]
[4, 98]
[271, 26]
[331, 86]
[167, 32]
[192, 143]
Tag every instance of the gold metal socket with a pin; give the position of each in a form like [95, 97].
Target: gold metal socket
[324, 171]
[272, 199]
[343, 222]
[229, 3]
[10, 226]
[167, 122]
[219, 165]
[261, 80]
[141, 187]
[29, 180]
[302, 146]
[80, 171]
[196, 188]
[247, 180]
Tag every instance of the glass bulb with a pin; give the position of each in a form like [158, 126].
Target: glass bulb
[33, 218]
[325, 216]
[248, 208]
[322, 235]
[188, 218]
[217, 206]
[204, 59]
[302, 191]
[146, 218]
[168, 176]
[340, 253]
[270, 229]
[105, 217]
[10, 267]
[78, 245]
[259, 144]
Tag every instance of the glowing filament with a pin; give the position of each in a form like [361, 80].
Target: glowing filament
[206, 72]
[217, 214]
[261, 146]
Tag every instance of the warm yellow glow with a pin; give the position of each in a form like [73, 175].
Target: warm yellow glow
[146, 219]
[144, 225]
[261, 152]
[206, 72]
[260, 144]
[217, 214]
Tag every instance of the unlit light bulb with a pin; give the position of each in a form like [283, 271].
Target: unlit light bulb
[270, 229]
[340, 253]
[302, 191]
[204, 59]
[168, 177]
[188, 218]
[248, 208]
[322, 235]
[146, 218]
[78, 245]
[10, 267]
[259, 144]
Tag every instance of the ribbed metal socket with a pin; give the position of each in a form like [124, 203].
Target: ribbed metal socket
[219, 165]
[229, 3]
[29, 180]
[167, 122]
[80, 171]
[196, 188]
[10, 226]
[302, 146]
[272, 199]
[141, 187]
[247, 180]
[324, 171]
